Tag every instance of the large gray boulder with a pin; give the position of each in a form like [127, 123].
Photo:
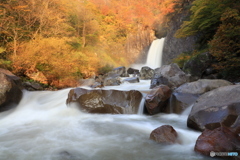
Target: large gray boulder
[10, 90]
[188, 93]
[170, 75]
[215, 108]
[105, 101]
[202, 86]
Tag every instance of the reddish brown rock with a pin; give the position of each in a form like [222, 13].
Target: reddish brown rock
[221, 139]
[164, 134]
[156, 100]
[106, 101]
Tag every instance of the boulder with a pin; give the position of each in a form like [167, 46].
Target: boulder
[106, 101]
[111, 81]
[179, 102]
[33, 86]
[120, 71]
[188, 93]
[201, 86]
[132, 80]
[165, 134]
[218, 107]
[170, 75]
[133, 71]
[10, 90]
[221, 139]
[146, 73]
[156, 101]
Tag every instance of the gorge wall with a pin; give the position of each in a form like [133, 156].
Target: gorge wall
[174, 46]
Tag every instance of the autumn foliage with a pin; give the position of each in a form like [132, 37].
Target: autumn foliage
[64, 41]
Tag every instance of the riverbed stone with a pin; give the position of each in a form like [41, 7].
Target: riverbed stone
[221, 139]
[146, 73]
[165, 134]
[132, 80]
[120, 71]
[156, 101]
[105, 101]
[202, 86]
[133, 71]
[215, 108]
[170, 75]
[10, 90]
[187, 94]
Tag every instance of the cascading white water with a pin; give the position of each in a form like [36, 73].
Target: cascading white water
[42, 127]
[154, 58]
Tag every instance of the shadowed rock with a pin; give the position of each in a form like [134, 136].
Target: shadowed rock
[10, 90]
[156, 101]
[188, 93]
[218, 107]
[133, 71]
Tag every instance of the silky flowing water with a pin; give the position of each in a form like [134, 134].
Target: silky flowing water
[43, 127]
[154, 58]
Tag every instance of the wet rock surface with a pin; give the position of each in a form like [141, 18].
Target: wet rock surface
[156, 101]
[165, 134]
[10, 90]
[106, 101]
[218, 107]
[221, 139]
[170, 75]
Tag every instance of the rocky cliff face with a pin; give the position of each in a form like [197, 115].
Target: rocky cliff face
[175, 46]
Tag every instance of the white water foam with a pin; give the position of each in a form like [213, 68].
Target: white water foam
[43, 127]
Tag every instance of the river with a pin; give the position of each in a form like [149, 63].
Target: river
[43, 127]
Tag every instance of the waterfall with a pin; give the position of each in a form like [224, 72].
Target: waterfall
[154, 58]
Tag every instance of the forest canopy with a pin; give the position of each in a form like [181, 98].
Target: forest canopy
[66, 40]
[217, 25]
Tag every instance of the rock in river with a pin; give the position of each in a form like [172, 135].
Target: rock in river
[106, 101]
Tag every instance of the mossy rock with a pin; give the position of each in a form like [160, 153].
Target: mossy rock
[198, 64]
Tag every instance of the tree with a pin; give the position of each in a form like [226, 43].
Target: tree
[205, 19]
[225, 46]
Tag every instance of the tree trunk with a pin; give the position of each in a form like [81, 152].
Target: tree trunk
[15, 43]
[84, 34]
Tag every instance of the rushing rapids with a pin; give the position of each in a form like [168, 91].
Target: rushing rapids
[43, 127]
